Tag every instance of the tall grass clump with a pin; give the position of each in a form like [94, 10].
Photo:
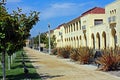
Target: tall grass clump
[84, 55]
[64, 52]
[74, 55]
[54, 51]
[110, 60]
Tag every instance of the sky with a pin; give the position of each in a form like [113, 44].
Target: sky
[54, 12]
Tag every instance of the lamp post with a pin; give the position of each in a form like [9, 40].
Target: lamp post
[49, 38]
[39, 41]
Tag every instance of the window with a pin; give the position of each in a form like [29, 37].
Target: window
[84, 27]
[113, 18]
[74, 26]
[115, 39]
[71, 28]
[109, 19]
[84, 22]
[98, 21]
[60, 33]
[110, 12]
[115, 11]
[80, 25]
[65, 30]
[77, 25]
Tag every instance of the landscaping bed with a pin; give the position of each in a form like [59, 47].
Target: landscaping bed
[107, 60]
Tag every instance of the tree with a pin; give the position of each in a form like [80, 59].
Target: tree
[14, 30]
[52, 42]
[42, 38]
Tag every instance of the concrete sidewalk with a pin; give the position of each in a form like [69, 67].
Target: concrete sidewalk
[53, 68]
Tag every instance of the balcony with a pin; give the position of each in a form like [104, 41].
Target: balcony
[84, 28]
[112, 21]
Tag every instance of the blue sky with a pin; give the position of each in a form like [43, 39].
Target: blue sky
[54, 12]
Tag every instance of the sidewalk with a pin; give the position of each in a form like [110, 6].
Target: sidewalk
[53, 68]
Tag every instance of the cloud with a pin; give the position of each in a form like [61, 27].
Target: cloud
[62, 9]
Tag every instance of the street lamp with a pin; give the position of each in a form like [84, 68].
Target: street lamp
[49, 38]
[39, 41]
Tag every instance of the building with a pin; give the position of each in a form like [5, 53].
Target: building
[59, 35]
[96, 28]
[51, 33]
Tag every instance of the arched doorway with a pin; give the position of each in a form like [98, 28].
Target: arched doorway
[93, 41]
[114, 37]
[74, 42]
[85, 38]
[71, 42]
[77, 42]
[98, 40]
[104, 40]
[65, 42]
[80, 42]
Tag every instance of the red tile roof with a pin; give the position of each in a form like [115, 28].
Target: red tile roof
[95, 10]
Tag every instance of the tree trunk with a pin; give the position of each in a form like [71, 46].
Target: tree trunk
[9, 62]
[14, 55]
[3, 65]
[11, 59]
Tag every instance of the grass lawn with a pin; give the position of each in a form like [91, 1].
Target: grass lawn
[17, 72]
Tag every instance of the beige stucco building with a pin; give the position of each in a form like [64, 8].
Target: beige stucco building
[96, 28]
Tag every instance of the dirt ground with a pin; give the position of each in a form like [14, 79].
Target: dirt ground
[53, 68]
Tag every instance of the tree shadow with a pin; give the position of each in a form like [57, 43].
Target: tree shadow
[47, 76]
[26, 61]
[17, 71]
[27, 58]
[31, 76]
[21, 66]
[21, 76]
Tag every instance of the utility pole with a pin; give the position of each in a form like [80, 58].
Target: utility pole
[49, 38]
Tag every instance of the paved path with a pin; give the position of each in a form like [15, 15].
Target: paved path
[53, 68]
